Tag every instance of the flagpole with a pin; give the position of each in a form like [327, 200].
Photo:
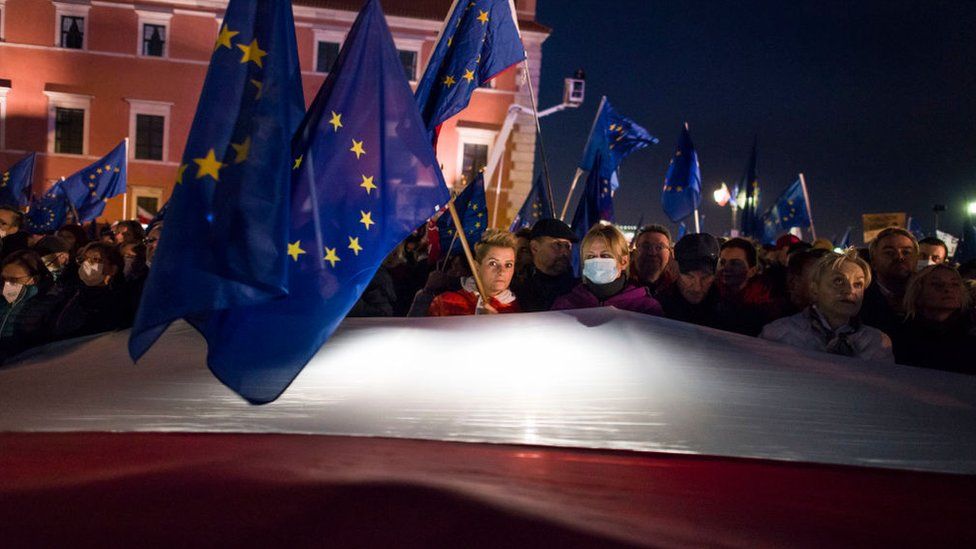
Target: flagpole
[538, 129]
[498, 198]
[572, 187]
[697, 222]
[467, 251]
[125, 195]
[806, 198]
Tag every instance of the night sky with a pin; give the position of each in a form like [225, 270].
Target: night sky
[874, 101]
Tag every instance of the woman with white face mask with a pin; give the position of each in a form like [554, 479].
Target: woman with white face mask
[605, 254]
[101, 302]
[29, 303]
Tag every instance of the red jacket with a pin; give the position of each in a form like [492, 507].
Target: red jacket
[463, 302]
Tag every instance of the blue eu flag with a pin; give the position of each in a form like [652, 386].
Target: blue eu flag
[48, 213]
[534, 208]
[15, 183]
[472, 208]
[612, 138]
[682, 184]
[790, 210]
[365, 177]
[479, 40]
[915, 228]
[227, 220]
[594, 206]
[751, 225]
[89, 189]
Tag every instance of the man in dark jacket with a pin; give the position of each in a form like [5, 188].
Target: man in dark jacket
[551, 272]
[694, 296]
[894, 255]
[12, 238]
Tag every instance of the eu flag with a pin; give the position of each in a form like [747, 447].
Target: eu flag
[227, 220]
[790, 210]
[682, 184]
[479, 40]
[594, 206]
[612, 138]
[48, 213]
[15, 183]
[534, 208]
[89, 189]
[365, 178]
[472, 208]
[749, 184]
[915, 228]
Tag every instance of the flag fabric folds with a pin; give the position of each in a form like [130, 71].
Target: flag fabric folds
[479, 40]
[365, 177]
[682, 184]
[594, 206]
[612, 138]
[751, 224]
[227, 220]
[472, 208]
[48, 213]
[534, 208]
[90, 188]
[915, 228]
[790, 210]
[844, 241]
[15, 182]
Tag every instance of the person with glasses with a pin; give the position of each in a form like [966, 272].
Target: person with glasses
[100, 303]
[653, 259]
[495, 258]
[56, 254]
[29, 303]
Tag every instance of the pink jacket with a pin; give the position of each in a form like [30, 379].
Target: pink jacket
[631, 298]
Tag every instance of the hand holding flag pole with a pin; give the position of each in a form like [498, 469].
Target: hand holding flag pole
[467, 251]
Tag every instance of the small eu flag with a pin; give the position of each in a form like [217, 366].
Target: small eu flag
[596, 204]
[365, 177]
[227, 220]
[479, 40]
[844, 241]
[48, 213]
[534, 208]
[89, 189]
[790, 210]
[472, 208]
[682, 184]
[612, 138]
[15, 183]
[749, 185]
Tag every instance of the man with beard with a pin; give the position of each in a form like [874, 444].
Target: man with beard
[653, 259]
[550, 275]
[894, 255]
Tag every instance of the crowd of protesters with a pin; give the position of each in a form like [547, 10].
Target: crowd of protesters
[900, 300]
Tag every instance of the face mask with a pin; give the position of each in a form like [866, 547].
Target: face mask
[600, 270]
[923, 263]
[90, 273]
[11, 291]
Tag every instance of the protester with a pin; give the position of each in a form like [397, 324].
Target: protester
[831, 323]
[550, 274]
[379, 297]
[653, 267]
[56, 254]
[604, 254]
[438, 282]
[798, 271]
[100, 303]
[128, 232]
[938, 331]
[409, 270]
[745, 303]
[12, 238]
[894, 256]
[523, 255]
[694, 295]
[75, 236]
[152, 242]
[931, 251]
[495, 258]
[28, 305]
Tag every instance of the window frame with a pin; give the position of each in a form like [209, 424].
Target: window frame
[412, 45]
[140, 191]
[63, 100]
[325, 35]
[162, 19]
[63, 9]
[3, 24]
[151, 108]
[3, 115]
[472, 136]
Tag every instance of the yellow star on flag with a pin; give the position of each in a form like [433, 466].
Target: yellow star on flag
[468, 75]
[98, 170]
[209, 165]
[336, 121]
[252, 52]
[366, 218]
[330, 256]
[259, 86]
[357, 147]
[223, 39]
[179, 174]
[449, 81]
[298, 162]
[90, 176]
[242, 150]
[295, 249]
[483, 16]
[367, 184]
[354, 245]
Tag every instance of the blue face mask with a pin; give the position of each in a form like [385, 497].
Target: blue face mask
[601, 270]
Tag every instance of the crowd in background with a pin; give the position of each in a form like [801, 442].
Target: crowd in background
[898, 300]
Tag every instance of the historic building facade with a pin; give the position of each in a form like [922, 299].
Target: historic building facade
[78, 76]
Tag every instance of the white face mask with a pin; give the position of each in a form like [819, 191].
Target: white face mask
[91, 273]
[11, 291]
[601, 270]
[923, 263]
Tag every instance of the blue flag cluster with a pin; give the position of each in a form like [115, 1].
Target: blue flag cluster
[682, 184]
[594, 206]
[15, 183]
[612, 138]
[228, 217]
[751, 222]
[472, 208]
[48, 213]
[534, 208]
[479, 40]
[90, 188]
[790, 210]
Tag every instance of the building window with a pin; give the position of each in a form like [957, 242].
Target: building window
[149, 136]
[72, 32]
[153, 40]
[475, 158]
[4, 88]
[69, 131]
[474, 150]
[409, 60]
[327, 54]
[145, 203]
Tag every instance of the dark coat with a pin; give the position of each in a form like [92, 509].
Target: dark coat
[26, 322]
[949, 345]
[537, 291]
[92, 310]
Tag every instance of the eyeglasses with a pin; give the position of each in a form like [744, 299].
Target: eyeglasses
[94, 259]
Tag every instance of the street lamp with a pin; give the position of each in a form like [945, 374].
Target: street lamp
[971, 208]
[722, 197]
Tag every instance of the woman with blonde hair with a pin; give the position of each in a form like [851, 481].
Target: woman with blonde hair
[831, 323]
[494, 255]
[938, 331]
[605, 254]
